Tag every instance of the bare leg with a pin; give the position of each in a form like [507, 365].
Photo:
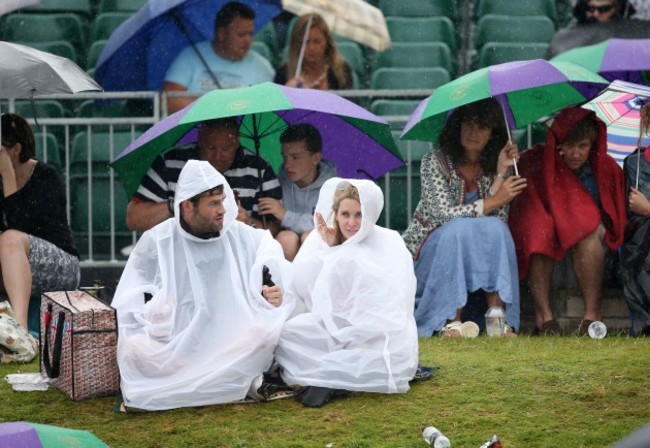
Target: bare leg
[540, 272]
[290, 243]
[588, 266]
[493, 299]
[16, 273]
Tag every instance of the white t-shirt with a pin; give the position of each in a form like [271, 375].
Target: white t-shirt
[188, 70]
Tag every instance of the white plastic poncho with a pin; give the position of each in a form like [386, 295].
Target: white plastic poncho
[358, 333]
[207, 332]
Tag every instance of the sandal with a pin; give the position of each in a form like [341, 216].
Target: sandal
[549, 328]
[509, 332]
[456, 329]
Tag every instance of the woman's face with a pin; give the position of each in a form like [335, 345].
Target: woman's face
[348, 217]
[474, 136]
[316, 46]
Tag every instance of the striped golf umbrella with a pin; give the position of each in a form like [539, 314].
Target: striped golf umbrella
[619, 107]
[26, 434]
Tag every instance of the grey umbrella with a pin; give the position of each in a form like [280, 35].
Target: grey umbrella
[26, 72]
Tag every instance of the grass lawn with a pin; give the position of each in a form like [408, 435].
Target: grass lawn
[532, 392]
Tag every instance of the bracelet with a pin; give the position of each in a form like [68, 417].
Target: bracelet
[503, 176]
[170, 206]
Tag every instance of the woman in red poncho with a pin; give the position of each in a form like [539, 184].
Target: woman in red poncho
[575, 202]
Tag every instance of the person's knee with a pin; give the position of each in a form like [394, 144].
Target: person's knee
[289, 241]
[12, 240]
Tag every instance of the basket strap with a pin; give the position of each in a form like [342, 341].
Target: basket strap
[52, 368]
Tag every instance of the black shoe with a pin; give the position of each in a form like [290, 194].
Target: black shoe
[315, 397]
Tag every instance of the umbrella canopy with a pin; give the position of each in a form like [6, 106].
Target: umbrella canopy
[26, 72]
[624, 59]
[34, 435]
[6, 6]
[139, 52]
[358, 142]
[527, 91]
[619, 106]
[354, 19]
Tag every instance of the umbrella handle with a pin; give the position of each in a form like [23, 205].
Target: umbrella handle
[301, 56]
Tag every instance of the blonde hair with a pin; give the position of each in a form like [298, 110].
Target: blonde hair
[347, 192]
[644, 125]
[332, 55]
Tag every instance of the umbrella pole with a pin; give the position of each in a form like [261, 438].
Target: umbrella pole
[256, 140]
[301, 56]
[181, 26]
[505, 119]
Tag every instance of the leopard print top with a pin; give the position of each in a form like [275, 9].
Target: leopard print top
[441, 200]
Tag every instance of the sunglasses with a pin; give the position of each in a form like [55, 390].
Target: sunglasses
[601, 9]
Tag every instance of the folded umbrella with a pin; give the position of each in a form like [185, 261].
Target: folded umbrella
[358, 142]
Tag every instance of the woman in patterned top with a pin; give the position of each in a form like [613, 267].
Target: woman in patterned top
[459, 235]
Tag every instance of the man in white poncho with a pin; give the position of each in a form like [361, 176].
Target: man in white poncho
[357, 332]
[209, 329]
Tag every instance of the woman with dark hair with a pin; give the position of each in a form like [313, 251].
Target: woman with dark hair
[37, 252]
[458, 236]
[323, 67]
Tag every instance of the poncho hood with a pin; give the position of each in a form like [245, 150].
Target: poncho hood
[371, 199]
[196, 177]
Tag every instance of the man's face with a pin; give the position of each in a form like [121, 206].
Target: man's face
[301, 165]
[218, 146]
[601, 11]
[576, 154]
[236, 39]
[207, 216]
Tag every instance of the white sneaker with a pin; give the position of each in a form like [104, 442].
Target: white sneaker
[456, 329]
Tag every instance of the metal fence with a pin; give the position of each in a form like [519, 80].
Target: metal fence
[91, 131]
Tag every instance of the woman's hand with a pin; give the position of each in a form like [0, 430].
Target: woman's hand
[273, 295]
[638, 203]
[510, 188]
[295, 82]
[6, 168]
[328, 233]
[507, 156]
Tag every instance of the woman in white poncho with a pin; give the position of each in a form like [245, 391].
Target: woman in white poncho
[355, 283]
[207, 332]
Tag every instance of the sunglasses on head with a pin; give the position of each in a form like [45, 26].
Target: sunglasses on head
[601, 9]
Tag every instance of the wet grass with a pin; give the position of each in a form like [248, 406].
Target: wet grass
[532, 392]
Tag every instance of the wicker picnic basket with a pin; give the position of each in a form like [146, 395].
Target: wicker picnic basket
[78, 344]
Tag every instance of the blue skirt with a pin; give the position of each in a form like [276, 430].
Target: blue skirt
[464, 255]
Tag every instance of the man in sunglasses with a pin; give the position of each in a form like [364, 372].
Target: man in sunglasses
[601, 11]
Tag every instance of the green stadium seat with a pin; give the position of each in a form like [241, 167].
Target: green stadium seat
[80, 7]
[106, 195]
[423, 29]
[538, 135]
[416, 54]
[46, 28]
[409, 78]
[421, 8]
[353, 55]
[121, 5]
[47, 149]
[385, 108]
[43, 108]
[267, 35]
[516, 8]
[498, 52]
[105, 23]
[502, 28]
[94, 52]
[101, 151]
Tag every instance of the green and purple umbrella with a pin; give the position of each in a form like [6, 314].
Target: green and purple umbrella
[623, 59]
[527, 91]
[35, 435]
[358, 142]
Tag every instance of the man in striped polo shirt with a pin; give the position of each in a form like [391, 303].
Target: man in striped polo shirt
[250, 176]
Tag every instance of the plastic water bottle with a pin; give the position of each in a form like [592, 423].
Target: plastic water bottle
[435, 438]
[495, 321]
[597, 330]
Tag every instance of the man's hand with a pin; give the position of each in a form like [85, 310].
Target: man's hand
[638, 203]
[273, 295]
[270, 206]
